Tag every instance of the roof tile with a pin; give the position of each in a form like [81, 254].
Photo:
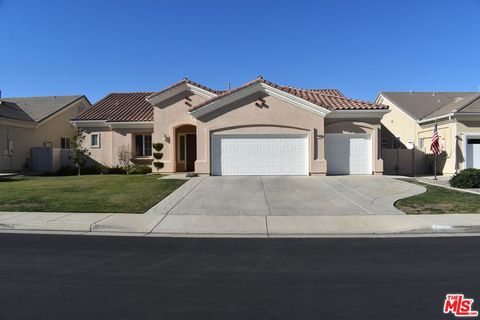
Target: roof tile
[330, 99]
[120, 107]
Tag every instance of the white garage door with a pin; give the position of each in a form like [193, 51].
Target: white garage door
[348, 153]
[473, 152]
[259, 155]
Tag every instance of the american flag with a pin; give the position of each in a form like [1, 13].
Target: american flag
[435, 146]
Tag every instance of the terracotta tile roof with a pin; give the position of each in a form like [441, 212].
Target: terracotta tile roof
[129, 107]
[187, 81]
[120, 107]
[331, 92]
[321, 97]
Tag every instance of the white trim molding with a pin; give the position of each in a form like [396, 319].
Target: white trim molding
[357, 114]
[260, 87]
[89, 123]
[179, 89]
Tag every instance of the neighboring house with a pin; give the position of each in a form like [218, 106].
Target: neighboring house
[410, 125]
[31, 122]
[260, 128]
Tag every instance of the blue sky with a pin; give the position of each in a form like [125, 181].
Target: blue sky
[361, 47]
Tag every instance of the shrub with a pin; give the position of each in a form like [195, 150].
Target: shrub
[115, 170]
[71, 170]
[143, 169]
[467, 178]
[157, 155]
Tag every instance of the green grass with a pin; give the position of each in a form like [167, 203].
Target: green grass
[438, 200]
[92, 193]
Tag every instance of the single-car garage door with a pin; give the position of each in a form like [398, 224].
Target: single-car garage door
[259, 155]
[348, 153]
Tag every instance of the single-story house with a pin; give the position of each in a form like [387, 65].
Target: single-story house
[31, 122]
[411, 120]
[259, 128]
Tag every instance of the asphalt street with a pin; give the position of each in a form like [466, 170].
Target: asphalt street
[95, 277]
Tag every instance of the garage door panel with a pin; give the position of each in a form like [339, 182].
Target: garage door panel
[259, 155]
[348, 153]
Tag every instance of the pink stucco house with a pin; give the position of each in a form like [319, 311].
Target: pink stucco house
[259, 128]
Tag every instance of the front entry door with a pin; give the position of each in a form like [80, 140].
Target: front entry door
[191, 152]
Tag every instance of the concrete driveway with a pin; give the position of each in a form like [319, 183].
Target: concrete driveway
[264, 196]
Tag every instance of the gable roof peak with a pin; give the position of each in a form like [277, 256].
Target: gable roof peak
[327, 100]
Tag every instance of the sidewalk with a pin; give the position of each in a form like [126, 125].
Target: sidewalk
[238, 226]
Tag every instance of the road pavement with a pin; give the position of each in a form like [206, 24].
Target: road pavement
[101, 277]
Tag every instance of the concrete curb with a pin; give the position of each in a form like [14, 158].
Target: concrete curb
[446, 187]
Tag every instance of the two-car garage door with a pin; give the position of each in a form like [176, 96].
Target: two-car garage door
[249, 154]
[288, 154]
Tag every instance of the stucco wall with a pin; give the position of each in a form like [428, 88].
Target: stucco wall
[243, 117]
[56, 127]
[370, 126]
[111, 142]
[446, 132]
[399, 123]
[169, 115]
[103, 153]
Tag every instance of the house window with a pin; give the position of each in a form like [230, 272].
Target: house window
[65, 143]
[143, 145]
[95, 140]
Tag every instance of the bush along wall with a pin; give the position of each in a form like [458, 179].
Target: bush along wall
[466, 179]
[157, 156]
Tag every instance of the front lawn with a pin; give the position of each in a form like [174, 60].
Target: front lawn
[92, 193]
[438, 200]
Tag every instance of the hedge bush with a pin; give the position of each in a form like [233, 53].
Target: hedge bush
[466, 179]
[99, 169]
[141, 169]
[88, 170]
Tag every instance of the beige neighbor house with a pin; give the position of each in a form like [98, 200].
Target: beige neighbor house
[36, 122]
[408, 129]
[260, 128]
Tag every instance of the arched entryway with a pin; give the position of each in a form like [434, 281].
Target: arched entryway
[185, 148]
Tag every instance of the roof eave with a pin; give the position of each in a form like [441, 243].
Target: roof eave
[358, 113]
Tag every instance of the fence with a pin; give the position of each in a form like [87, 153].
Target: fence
[408, 162]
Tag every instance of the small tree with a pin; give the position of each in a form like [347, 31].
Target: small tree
[124, 159]
[78, 153]
[157, 155]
